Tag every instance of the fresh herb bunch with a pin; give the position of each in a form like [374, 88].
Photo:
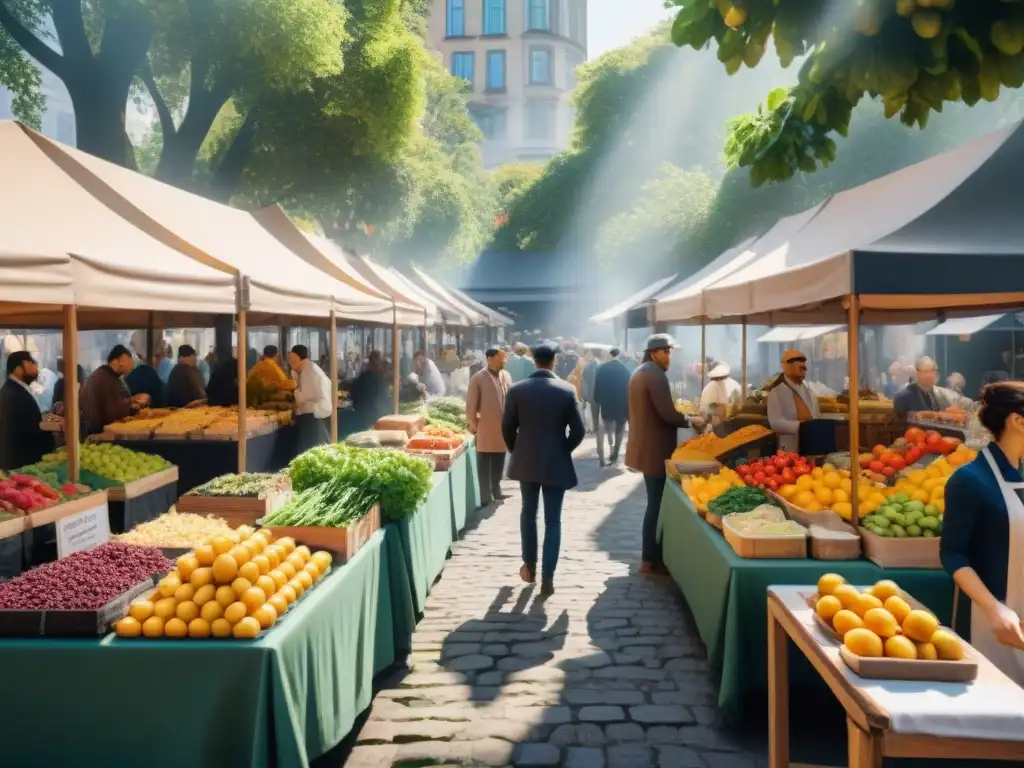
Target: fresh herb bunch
[246, 484]
[399, 481]
[334, 504]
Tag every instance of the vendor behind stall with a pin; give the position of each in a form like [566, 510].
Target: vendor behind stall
[185, 385]
[922, 394]
[22, 442]
[104, 396]
[313, 399]
[790, 401]
[721, 393]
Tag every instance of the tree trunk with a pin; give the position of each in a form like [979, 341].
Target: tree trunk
[228, 176]
[177, 164]
[100, 121]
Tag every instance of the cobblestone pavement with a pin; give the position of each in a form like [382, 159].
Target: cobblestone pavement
[607, 672]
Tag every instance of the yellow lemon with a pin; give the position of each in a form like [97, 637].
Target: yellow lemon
[205, 555]
[863, 642]
[832, 480]
[141, 610]
[204, 595]
[184, 592]
[198, 628]
[187, 611]
[165, 608]
[839, 496]
[153, 627]
[920, 626]
[885, 589]
[235, 612]
[900, 647]
[246, 628]
[927, 652]
[129, 626]
[211, 611]
[881, 622]
[827, 607]
[848, 595]
[843, 509]
[865, 603]
[804, 482]
[220, 628]
[804, 498]
[898, 607]
[201, 577]
[947, 645]
[225, 596]
[175, 628]
[187, 564]
[221, 544]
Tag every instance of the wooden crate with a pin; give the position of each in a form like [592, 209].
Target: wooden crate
[442, 460]
[411, 423]
[60, 511]
[345, 542]
[143, 485]
[15, 526]
[901, 553]
[235, 510]
[964, 671]
[765, 547]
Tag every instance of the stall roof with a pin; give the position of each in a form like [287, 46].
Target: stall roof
[945, 232]
[452, 313]
[382, 279]
[616, 310]
[60, 245]
[966, 326]
[687, 303]
[481, 314]
[214, 235]
[783, 334]
[328, 257]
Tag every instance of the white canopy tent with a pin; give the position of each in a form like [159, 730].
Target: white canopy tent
[489, 316]
[968, 326]
[633, 301]
[784, 334]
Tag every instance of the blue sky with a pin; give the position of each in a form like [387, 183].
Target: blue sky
[615, 22]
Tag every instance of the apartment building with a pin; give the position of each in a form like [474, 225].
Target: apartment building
[519, 60]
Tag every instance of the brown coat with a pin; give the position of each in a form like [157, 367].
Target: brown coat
[485, 404]
[103, 400]
[653, 421]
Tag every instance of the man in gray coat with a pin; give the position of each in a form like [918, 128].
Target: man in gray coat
[653, 425]
[542, 427]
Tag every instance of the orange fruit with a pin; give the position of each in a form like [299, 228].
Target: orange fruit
[274, 554]
[900, 647]
[253, 598]
[175, 628]
[246, 628]
[153, 627]
[204, 595]
[255, 546]
[827, 583]
[211, 611]
[235, 612]
[844, 621]
[220, 628]
[187, 611]
[881, 622]
[920, 626]
[262, 563]
[279, 602]
[222, 544]
[298, 587]
[323, 560]
[141, 610]
[249, 571]
[288, 543]
[206, 554]
[926, 652]
[267, 584]
[898, 607]
[165, 608]
[240, 554]
[947, 645]
[885, 589]
[225, 596]
[169, 584]
[865, 603]
[287, 569]
[296, 561]
[186, 564]
[312, 569]
[239, 585]
[198, 628]
[304, 552]
[279, 578]
[201, 577]
[266, 615]
[863, 642]
[828, 606]
[848, 596]
[129, 626]
[184, 592]
[288, 593]
[304, 578]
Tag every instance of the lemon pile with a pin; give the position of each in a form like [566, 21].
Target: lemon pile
[880, 622]
[701, 490]
[232, 586]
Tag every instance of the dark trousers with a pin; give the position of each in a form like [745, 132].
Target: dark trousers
[651, 545]
[490, 467]
[610, 428]
[552, 525]
[311, 431]
[595, 414]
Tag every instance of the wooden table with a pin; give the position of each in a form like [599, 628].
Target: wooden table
[870, 724]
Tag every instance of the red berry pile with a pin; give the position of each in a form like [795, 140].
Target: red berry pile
[83, 580]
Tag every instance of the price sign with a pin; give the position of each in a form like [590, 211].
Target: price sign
[83, 530]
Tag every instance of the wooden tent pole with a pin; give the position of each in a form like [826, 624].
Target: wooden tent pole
[333, 335]
[241, 346]
[743, 358]
[703, 355]
[72, 413]
[395, 360]
[853, 353]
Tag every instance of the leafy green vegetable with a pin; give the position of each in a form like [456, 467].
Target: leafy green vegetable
[247, 484]
[334, 504]
[736, 500]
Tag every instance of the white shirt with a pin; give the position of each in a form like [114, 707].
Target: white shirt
[724, 392]
[313, 392]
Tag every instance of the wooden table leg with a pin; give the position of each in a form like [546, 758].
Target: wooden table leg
[864, 750]
[778, 693]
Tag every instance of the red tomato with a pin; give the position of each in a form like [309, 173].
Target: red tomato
[772, 484]
[888, 471]
[932, 437]
[914, 435]
[948, 445]
[912, 455]
[770, 470]
[788, 476]
[811, 464]
[898, 463]
[876, 467]
[759, 478]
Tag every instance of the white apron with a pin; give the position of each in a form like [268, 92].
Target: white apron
[1008, 660]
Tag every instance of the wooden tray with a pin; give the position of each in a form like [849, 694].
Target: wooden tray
[143, 485]
[85, 623]
[913, 669]
[15, 526]
[765, 547]
[235, 510]
[901, 553]
[345, 541]
[59, 511]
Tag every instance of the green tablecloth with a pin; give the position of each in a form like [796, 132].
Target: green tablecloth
[458, 484]
[281, 700]
[473, 499]
[727, 593]
[426, 538]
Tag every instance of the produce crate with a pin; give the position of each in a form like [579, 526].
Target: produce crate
[714, 520]
[910, 552]
[143, 485]
[12, 544]
[755, 449]
[87, 623]
[346, 542]
[235, 510]
[755, 546]
[411, 424]
[443, 460]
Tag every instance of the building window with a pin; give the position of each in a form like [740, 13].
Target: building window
[572, 62]
[495, 70]
[456, 24]
[492, 121]
[540, 66]
[462, 65]
[539, 120]
[538, 15]
[494, 17]
[577, 29]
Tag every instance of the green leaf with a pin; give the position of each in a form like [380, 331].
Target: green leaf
[777, 97]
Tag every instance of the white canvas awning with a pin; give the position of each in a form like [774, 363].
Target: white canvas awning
[475, 316]
[624, 306]
[491, 316]
[964, 326]
[786, 333]
[60, 245]
[216, 237]
[450, 314]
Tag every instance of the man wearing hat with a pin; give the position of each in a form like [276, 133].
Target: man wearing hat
[790, 401]
[185, 385]
[542, 427]
[485, 404]
[22, 442]
[653, 425]
[720, 393]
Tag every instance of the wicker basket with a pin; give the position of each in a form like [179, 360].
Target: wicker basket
[901, 553]
[766, 547]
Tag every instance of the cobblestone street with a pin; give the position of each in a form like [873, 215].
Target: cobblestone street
[607, 672]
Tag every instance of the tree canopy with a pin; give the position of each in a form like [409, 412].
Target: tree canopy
[913, 56]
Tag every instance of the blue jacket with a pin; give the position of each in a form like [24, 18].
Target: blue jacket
[589, 379]
[520, 367]
[611, 390]
[539, 412]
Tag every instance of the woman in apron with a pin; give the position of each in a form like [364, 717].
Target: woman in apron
[983, 532]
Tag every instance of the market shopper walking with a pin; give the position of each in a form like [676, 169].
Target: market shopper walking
[519, 366]
[611, 396]
[485, 404]
[542, 427]
[653, 425]
[313, 400]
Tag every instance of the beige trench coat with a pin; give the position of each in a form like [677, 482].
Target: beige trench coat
[485, 404]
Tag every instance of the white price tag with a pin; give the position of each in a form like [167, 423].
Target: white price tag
[83, 530]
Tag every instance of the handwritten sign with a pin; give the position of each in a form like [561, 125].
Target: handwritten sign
[83, 530]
